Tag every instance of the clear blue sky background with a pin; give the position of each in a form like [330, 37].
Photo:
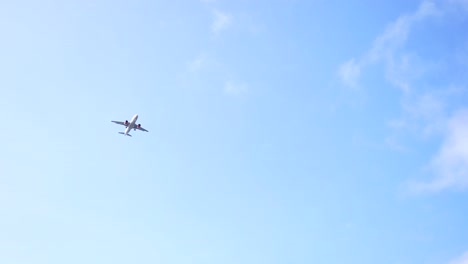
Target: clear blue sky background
[280, 132]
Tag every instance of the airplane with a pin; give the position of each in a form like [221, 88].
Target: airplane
[130, 125]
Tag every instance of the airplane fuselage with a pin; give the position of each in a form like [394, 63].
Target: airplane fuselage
[131, 124]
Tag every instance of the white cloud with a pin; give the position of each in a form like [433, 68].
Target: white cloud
[206, 66]
[386, 46]
[427, 110]
[235, 89]
[204, 63]
[198, 63]
[349, 73]
[463, 259]
[451, 162]
[437, 113]
[221, 21]
[427, 113]
[397, 32]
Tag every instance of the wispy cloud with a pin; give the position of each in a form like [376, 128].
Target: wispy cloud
[198, 63]
[389, 48]
[209, 68]
[350, 72]
[459, 3]
[427, 113]
[427, 110]
[451, 162]
[463, 259]
[235, 89]
[205, 62]
[396, 34]
[385, 48]
[221, 21]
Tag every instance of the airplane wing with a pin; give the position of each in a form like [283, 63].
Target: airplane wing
[120, 123]
[139, 128]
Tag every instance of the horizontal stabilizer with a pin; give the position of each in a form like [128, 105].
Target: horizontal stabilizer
[125, 134]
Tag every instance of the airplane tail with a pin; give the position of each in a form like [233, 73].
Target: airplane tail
[125, 134]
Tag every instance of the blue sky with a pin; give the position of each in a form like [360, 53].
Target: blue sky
[280, 132]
